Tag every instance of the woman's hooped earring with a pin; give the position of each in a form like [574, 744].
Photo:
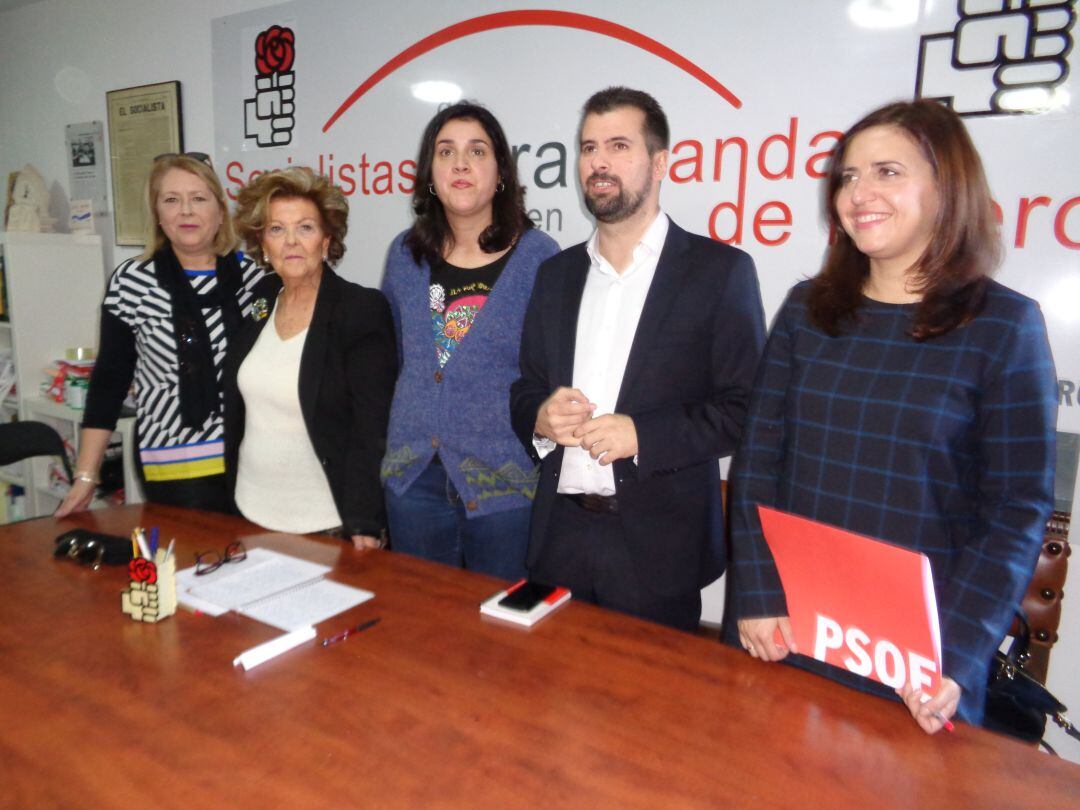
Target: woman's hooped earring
[501, 187]
[431, 189]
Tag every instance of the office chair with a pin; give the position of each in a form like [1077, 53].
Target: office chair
[1042, 600]
[23, 440]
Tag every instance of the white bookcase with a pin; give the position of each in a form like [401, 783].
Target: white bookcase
[9, 409]
[54, 285]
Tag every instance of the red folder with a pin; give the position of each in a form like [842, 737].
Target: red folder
[857, 603]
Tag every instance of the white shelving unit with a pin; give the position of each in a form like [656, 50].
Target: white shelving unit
[55, 283]
[9, 409]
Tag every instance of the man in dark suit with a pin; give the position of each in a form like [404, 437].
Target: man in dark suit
[637, 358]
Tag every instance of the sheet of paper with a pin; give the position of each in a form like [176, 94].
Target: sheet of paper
[306, 604]
[262, 574]
[185, 581]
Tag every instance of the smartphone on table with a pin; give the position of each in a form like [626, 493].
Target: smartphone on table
[526, 595]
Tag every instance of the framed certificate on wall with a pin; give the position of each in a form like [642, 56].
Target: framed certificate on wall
[144, 122]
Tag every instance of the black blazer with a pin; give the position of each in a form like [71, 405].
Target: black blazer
[687, 387]
[347, 373]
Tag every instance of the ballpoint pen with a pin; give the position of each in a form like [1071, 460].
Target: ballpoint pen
[344, 634]
[945, 722]
[144, 549]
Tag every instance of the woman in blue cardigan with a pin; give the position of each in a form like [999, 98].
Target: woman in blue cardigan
[459, 486]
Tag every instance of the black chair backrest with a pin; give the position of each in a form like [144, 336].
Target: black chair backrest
[22, 440]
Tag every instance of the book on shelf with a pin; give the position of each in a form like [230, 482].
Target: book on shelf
[4, 315]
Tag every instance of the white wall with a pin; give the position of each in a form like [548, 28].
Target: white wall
[61, 56]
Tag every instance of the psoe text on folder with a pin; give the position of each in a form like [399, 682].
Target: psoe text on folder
[856, 602]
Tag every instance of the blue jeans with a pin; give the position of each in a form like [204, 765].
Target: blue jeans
[429, 520]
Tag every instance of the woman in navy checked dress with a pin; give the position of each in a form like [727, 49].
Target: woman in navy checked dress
[905, 395]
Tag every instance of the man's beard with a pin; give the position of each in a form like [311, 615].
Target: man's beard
[615, 207]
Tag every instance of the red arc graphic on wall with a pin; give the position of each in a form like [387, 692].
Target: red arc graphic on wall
[539, 17]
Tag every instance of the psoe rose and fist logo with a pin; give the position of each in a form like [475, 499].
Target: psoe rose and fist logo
[1002, 57]
[269, 117]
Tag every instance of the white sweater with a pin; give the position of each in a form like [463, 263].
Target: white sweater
[279, 481]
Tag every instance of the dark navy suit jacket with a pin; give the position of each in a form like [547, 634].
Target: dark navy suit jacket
[686, 386]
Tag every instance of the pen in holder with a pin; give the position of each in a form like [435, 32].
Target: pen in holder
[152, 595]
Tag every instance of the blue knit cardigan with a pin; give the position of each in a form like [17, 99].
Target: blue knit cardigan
[462, 410]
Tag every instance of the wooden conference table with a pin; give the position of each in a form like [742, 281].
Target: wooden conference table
[435, 707]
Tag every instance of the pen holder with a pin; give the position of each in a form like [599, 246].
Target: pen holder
[152, 595]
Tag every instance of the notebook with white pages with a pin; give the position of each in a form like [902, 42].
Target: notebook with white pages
[270, 587]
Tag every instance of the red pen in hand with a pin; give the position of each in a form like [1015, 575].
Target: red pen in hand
[344, 634]
[945, 722]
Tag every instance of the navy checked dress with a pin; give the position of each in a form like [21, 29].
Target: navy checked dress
[945, 447]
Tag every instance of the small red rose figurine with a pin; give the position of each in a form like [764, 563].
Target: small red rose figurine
[142, 570]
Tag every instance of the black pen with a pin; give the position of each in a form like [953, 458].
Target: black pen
[344, 634]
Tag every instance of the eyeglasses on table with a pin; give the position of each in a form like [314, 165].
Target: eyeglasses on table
[206, 562]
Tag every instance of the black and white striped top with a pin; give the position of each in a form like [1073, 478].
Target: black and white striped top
[136, 304]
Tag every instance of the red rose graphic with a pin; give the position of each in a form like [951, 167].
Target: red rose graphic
[275, 50]
[142, 570]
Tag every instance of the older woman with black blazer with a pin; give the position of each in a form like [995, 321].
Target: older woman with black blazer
[308, 382]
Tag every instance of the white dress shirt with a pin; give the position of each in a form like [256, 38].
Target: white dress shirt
[611, 305]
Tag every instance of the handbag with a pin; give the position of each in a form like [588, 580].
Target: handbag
[1016, 703]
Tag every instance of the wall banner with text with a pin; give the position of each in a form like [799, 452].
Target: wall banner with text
[756, 94]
